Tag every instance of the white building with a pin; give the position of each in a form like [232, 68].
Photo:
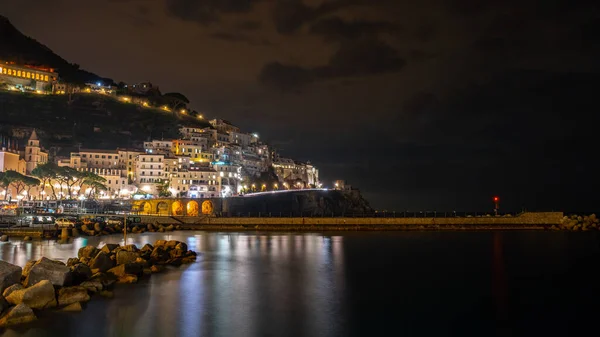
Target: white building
[149, 171]
[159, 147]
[195, 182]
[90, 158]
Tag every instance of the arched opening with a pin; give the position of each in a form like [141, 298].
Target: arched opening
[177, 208]
[192, 208]
[162, 208]
[207, 207]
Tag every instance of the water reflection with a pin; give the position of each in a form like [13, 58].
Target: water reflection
[241, 285]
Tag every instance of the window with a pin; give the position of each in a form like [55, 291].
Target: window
[109, 157]
[46, 78]
[109, 181]
[97, 156]
[18, 73]
[103, 157]
[84, 155]
[28, 75]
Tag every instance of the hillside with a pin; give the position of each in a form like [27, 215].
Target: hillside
[21, 49]
[91, 121]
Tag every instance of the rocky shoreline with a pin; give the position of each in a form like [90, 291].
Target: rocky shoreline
[578, 223]
[49, 284]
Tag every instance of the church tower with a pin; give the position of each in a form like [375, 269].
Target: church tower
[33, 153]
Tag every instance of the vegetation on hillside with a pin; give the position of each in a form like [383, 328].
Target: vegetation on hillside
[89, 120]
[21, 49]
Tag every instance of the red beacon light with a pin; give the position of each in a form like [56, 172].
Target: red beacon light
[496, 199]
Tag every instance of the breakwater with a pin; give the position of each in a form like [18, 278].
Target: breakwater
[47, 284]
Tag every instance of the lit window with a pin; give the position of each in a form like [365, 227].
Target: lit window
[37, 76]
[18, 73]
[46, 78]
[28, 75]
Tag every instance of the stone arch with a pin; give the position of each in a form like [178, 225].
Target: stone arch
[145, 208]
[192, 208]
[162, 208]
[207, 207]
[177, 208]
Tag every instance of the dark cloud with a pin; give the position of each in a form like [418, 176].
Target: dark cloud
[240, 37]
[285, 77]
[336, 28]
[357, 58]
[207, 11]
[290, 15]
[248, 25]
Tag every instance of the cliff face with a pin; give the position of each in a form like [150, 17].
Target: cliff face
[300, 203]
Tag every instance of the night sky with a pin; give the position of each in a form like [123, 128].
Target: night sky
[430, 104]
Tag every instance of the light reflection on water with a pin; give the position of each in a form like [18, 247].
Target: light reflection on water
[241, 285]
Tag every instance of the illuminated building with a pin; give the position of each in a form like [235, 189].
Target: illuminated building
[28, 77]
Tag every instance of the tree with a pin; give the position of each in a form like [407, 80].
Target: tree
[163, 189]
[46, 173]
[19, 182]
[95, 186]
[176, 101]
[67, 176]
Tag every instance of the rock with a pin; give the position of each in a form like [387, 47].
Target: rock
[98, 227]
[175, 253]
[130, 248]
[175, 262]
[124, 257]
[160, 243]
[128, 278]
[12, 288]
[39, 296]
[18, 315]
[72, 261]
[147, 248]
[102, 262]
[150, 227]
[161, 230]
[109, 247]
[107, 294]
[28, 267]
[4, 238]
[93, 286]
[3, 304]
[73, 307]
[105, 279]
[178, 227]
[9, 275]
[182, 246]
[159, 255]
[169, 228]
[157, 269]
[80, 273]
[88, 251]
[27, 238]
[142, 262]
[188, 259]
[129, 268]
[54, 271]
[147, 271]
[70, 295]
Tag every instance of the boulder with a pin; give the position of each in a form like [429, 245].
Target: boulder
[143, 262]
[54, 271]
[12, 288]
[109, 247]
[124, 257]
[105, 279]
[4, 238]
[169, 228]
[102, 262]
[188, 259]
[159, 254]
[80, 273]
[147, 248]
[27, 238]
[73, 307]
[70, 295]
[127, 278]
[20, 314]
[72, 261]
[38, 296]
[28, 267]
[92, 286]
[175, 262]
[88, 251]
[150, 227]
[3, 304]
[175, 253]
[98, 227]
[130, 248]
[157, 269]
[9, 275]
[147, 271]
[160, 243]
[161, 230]
[107, 294]
[124, 269]
[182, 246]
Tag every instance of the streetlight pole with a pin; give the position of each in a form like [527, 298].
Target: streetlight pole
[125, 227]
